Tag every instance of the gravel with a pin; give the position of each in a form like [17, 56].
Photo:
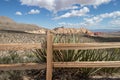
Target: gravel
[20, 37]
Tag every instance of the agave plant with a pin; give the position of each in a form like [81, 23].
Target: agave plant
[79, 55]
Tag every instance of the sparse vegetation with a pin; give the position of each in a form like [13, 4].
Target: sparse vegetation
[80, 55]
[39, 56]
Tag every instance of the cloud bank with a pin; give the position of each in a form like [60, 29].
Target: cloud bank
[58, 5]
[96, 19]
[74, 13]
[114, 20]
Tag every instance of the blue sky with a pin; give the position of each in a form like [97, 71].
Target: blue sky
[92, 14]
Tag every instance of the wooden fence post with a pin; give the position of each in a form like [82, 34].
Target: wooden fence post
[49, 56]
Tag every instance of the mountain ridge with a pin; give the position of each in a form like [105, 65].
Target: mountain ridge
[7, 23]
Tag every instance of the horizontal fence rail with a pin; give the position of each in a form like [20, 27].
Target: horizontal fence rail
[20, 46]
[89, 64]
[84, 46]
[58, 46]
[22, 66]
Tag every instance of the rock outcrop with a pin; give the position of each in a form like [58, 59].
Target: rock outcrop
[9, 24]
[40, 31]
[62, 30]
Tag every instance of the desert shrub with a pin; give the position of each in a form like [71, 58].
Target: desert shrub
[63, 56]
[14, 57]
[79, 55]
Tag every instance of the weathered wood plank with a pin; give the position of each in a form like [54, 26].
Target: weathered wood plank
[20, 46]
[22, 66]
[92, 64]
[49, 56]
[84, 46]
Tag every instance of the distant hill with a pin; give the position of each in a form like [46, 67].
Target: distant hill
[63, 30]
[9, 24]
[5, 20]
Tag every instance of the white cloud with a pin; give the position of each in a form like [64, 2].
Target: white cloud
[115, 22]
[73, 13]
[57, 5]
[70, 8]
[34, 11]
[48, 4]
[18, 13]
[93, 21]
[96, 19]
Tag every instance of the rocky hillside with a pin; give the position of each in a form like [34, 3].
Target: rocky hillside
[39, 31]
[62, 30]
[13, 32]
[5, 20]
[20, 37]
[9, 24]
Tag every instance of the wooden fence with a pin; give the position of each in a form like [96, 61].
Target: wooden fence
[58, 46]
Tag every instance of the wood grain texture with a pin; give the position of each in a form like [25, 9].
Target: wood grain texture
[49, 56]
[85, 46]
[92, 64]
